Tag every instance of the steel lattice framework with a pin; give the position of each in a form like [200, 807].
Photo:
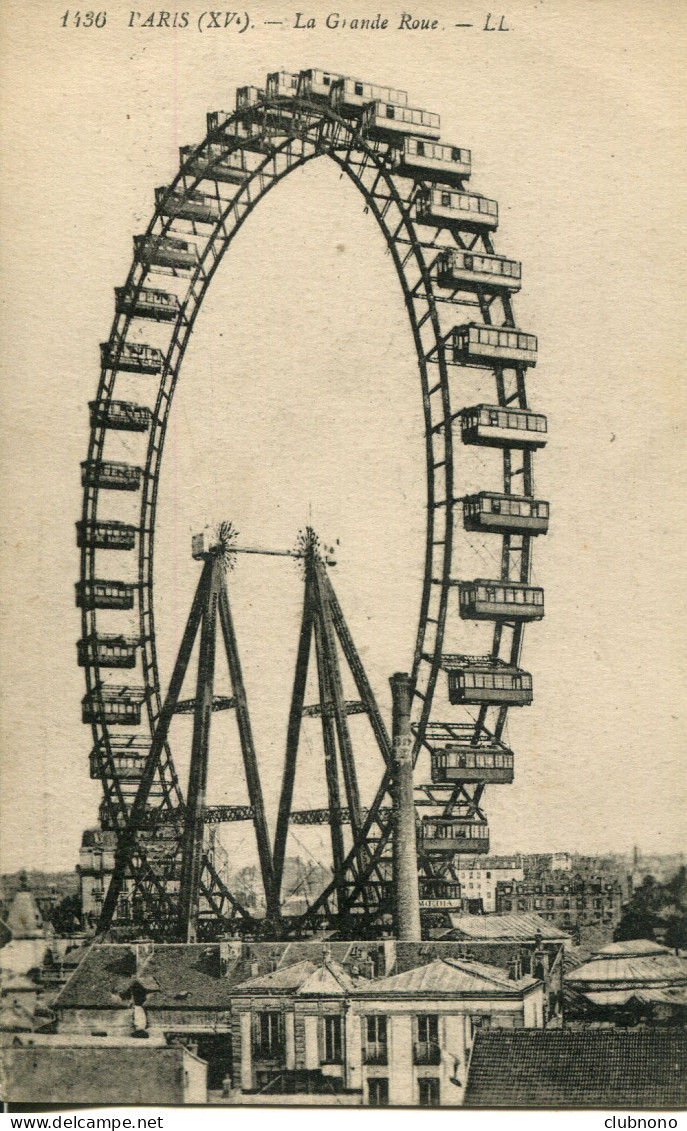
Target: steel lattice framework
[458, 298]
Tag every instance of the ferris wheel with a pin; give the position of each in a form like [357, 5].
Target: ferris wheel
[482, 510]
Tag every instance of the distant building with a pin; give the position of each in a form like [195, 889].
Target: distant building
[572, 902]
[627, 983]
[24, 919]
[39, 1069]
[96, 865]
[479, 877]
[579, 1068]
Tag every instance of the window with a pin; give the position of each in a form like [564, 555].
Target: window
[390, 110]
[268, 1035]
[378, 1091]
[375, 1036]
[427, 1025]
[332, 1040]
[428, 1089]
[420, 148]
[446, 200]
[359, 89]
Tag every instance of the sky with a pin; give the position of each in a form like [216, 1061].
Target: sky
[299, 397]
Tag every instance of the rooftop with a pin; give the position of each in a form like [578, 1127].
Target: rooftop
[627, 967]
[581, 1068]
[449, 976]
[507, 927]
[304, 978]
[176, 976]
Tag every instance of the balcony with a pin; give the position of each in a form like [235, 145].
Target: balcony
[376, 1053]
[426, 1052]
[272, 1052]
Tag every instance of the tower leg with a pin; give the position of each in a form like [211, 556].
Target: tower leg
[126, 845]
[250, 761]
[293, 736]
[192, 844]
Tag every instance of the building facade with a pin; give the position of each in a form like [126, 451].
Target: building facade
[479, 878]
[575, 903]
[401, 1040]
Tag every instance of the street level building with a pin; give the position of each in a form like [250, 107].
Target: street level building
[404, 1039]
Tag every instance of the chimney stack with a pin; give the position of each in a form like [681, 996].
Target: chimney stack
[406, 888]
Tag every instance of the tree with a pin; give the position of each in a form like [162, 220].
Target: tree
[66, 915]
[657, 911]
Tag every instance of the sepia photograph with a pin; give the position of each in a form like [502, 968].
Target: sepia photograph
[342, 568]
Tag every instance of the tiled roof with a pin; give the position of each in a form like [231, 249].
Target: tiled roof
[647, 995]
[283, 978]
[14, 1018]
[329, 978]
[518, 926]
[633, 947]
[176, 975]
[448, 976]
[605, 972]
[581, 1068]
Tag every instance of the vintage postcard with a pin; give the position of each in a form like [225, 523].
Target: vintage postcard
[342, 559]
